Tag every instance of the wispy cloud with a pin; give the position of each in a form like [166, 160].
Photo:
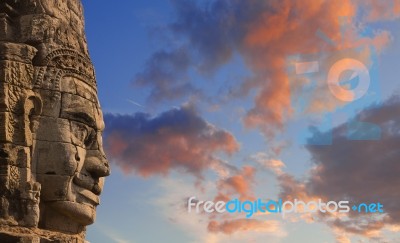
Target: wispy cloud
[244, 225]
[112, 235]
[166, 72]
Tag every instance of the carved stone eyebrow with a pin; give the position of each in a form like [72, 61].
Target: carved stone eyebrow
[78, 109]
[81, 117]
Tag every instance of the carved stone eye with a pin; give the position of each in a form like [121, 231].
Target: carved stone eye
[90, 138]
[80, 133]
[77, 158]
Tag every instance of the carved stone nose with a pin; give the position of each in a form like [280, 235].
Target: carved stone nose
[96, 164]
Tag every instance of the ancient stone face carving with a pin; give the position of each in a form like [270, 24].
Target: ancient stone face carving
[68, 154]
[52, 163]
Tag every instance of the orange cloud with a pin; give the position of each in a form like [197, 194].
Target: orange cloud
[284, 29]
[264, 34]
[380, 10]
[243, 225]
[239, 184]
[176, 139]
[276, 166]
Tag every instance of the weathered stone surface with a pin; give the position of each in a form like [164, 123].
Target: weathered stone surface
[17, 52]
[61, 158]
[12, 154]
[52, 164]
[68, 85]
[85, 91]
[6, 128]
[51, 102]
[55, 187]
[53, 130]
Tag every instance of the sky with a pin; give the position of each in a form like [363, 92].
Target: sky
[247, 99]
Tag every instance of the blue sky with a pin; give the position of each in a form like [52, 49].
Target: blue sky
[217, 68]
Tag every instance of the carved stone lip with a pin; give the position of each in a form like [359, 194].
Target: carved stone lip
[92, 198]
[87, 188]
[87, 182]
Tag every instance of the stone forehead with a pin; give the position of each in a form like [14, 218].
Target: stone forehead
[78, 108]
[78, 87]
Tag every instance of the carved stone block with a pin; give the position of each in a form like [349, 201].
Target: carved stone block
[55, 158]
[54, 187]
[86, 91]
[6, 31]
[54, 130]
[6, 127]
[7, 238]
[35, 28]
[76, 107]
[10, 177]
[12, 154]
[68, 85]
[4, 105]
[15, 96]
[17, 52]
[17, 73]
[13, 130]
[51, 102]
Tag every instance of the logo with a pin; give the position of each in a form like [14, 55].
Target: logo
[280, 207]
[331, 85]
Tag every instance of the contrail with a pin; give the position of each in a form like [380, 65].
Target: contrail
[135, 103]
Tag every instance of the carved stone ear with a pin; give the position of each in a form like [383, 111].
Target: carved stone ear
[32, 110]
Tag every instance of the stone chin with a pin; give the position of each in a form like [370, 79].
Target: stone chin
[83, 214]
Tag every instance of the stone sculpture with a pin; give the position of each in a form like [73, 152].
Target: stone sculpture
[52, 164]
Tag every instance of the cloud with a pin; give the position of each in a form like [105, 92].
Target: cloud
[112, 235]
[264, 34]
[342, 239]
[264, 160]
[172, 204]
[243, 225]
[166, 74]
[361, 171]
[240, 184]
[179, 139]
[380, 10]
[176, 139]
